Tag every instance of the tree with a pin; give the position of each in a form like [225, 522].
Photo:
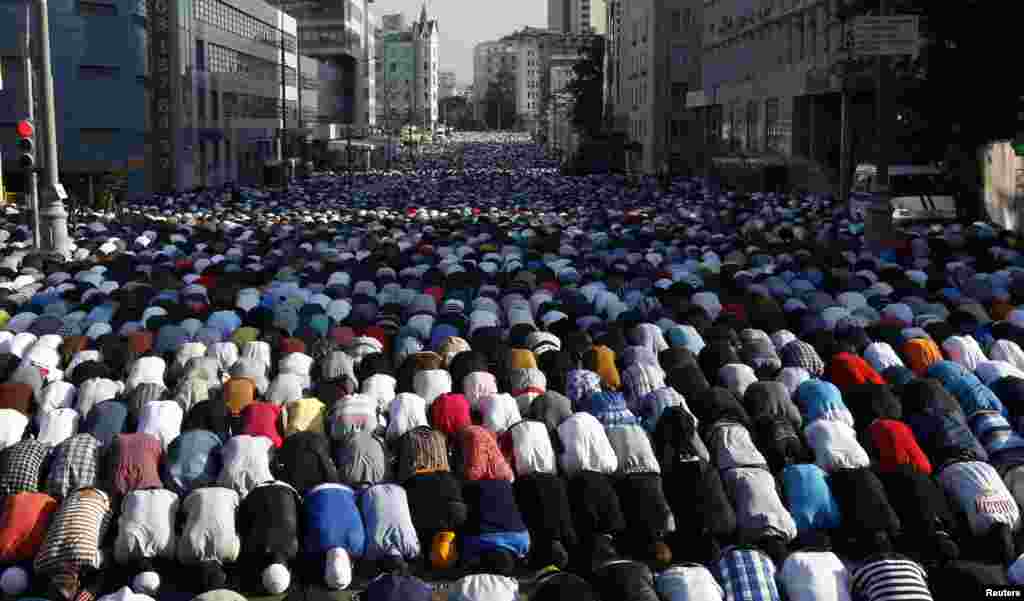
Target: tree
[587, 89]
[500, 100]
[456, 112]
[390, 96]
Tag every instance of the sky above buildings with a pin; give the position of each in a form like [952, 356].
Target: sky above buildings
[465, 23]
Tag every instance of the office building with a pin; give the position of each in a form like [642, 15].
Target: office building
[217, 118]
[341, 34]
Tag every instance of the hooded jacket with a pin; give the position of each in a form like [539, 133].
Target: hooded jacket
[763, 399]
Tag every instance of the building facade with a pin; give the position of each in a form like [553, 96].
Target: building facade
[340, 34]
[528, 54]
[652, 64]
[211, 110]
[447, 86]
[577, 16]
[560, 105]
[770, 81]
[408, 84]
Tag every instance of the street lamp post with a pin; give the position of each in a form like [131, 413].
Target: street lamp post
[52, 216]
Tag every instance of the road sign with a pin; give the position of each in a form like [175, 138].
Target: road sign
[886, 36]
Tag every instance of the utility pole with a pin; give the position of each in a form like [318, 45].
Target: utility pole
[881, 210]
[284, 108]
[30, 113]
[52, 216]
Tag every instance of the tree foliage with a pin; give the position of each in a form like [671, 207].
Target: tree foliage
[587, 89]
[500, 100]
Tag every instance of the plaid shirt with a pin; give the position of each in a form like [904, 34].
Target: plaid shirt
[75, 465]
[21, 467]
[747, 575]
[801, 354]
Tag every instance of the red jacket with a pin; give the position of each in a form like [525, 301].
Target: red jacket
[263, 419]
[848, 370]
[893, 443]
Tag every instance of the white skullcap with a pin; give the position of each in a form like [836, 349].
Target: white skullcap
[146, 583]
[338, 571]
[276, 578]
[14, 581]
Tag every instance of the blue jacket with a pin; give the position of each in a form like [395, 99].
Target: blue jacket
[809, 498]
[332, 520]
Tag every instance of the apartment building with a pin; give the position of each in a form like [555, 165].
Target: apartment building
[653, 62]
[408, 77]
[577, 16]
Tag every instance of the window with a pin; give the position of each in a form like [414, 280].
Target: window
[98, 72]
[96, 136]
[88, 8]
[394, 67]
[200, 56]
[214, 105]
[216, 154]
[201, 105]
[678, 96]
[752, 125]
[773, 131]
[812, 36]
[677, 21]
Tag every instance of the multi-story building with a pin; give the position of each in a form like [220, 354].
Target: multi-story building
[447, 86]
[407, 71]
[528, 54]
[560, 104]
[769, 84]
[219, 114]
[653, 62]
[577, 16]
[340, 33]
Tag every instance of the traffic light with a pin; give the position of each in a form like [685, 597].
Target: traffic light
[26, 144]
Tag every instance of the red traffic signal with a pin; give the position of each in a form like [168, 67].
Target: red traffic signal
[25, 129]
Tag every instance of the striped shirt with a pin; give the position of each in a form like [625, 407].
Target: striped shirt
[890, 578]
[73, 540]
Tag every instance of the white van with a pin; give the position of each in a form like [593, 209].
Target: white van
[918, 192]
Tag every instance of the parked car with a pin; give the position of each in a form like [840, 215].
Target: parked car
[918, 192]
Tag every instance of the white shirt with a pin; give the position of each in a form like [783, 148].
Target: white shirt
[146, 526]
[161, 419]
[693, 582]
[835, 445]
[57, 426]
[12, 427]
[246, 463]
[815, 576]
[57, 395]
[210, 532]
